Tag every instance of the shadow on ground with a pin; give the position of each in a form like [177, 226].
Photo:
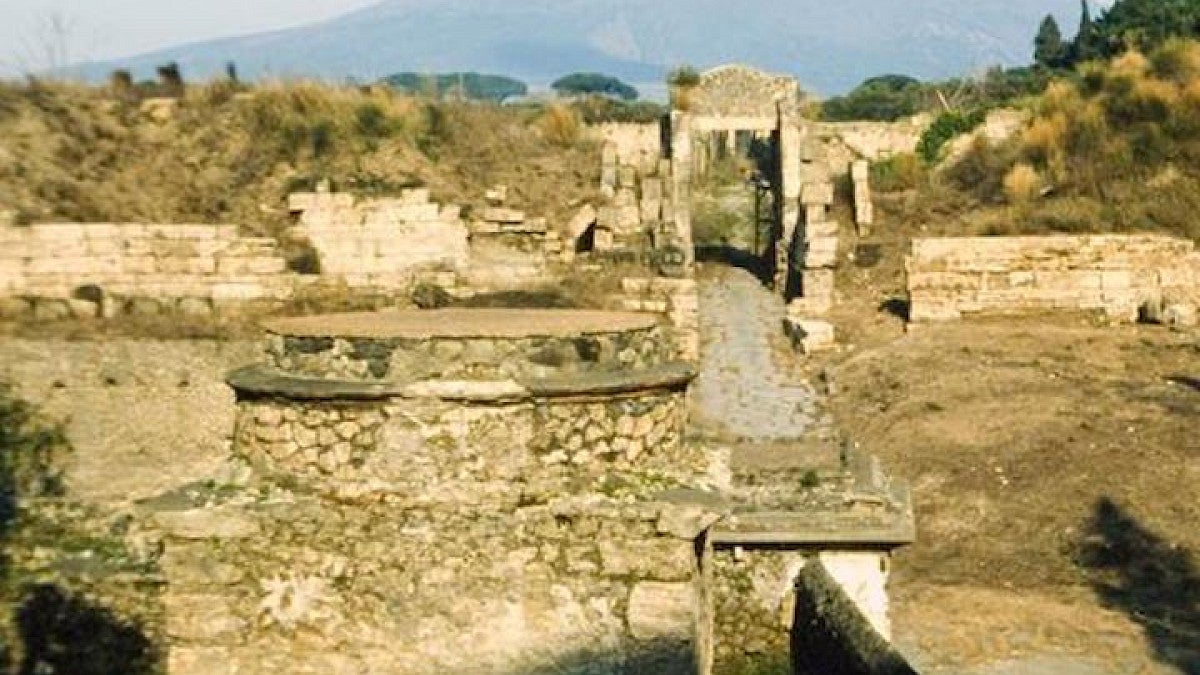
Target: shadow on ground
[736, 257]
[1186, 381]
[1154, 582]
[51, 630]
[653, 657]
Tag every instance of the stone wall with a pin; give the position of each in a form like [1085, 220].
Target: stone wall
[877, 140]
[295, 584]
[734, 91]
[469, 520]
[380, 243]
[677, 299]
[95, 269]
[635, 144]
[754, 596]
[1116, 274]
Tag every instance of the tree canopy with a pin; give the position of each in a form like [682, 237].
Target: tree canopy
[594, 83]
[468, 85]
[1049, 50]
[884, 98]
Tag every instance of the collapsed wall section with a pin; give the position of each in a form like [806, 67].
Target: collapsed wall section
[1120, 275]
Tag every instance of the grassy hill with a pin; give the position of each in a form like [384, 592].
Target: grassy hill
[226, 153]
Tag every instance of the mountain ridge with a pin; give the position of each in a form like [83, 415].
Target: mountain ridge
[829, 47]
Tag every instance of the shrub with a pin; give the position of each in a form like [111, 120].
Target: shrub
[684, 76]
[560, 125]
[947, 125]
[1021, 184]
[898, 172]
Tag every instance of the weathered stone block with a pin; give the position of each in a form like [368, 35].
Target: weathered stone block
[816, 193]
[810, 336]
[860, 170]
[581, 221]
[662, 559]
[502, 215]
[214, 523]
[201, 618]
[497, 195]
[662, 611]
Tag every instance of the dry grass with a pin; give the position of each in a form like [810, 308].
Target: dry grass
[1022, 184]
[226, 153]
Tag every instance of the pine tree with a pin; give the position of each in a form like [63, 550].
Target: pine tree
[1049, 50]
[1087, 40]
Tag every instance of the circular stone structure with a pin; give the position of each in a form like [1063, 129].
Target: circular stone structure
[464, 405]
[473, 343]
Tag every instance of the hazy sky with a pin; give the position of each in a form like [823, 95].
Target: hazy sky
[102, 29]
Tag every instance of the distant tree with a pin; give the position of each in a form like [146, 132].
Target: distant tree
[466, 85]
[170, 78]
[1088, 42]
[231, 71]
[684, 76]
[1145, 24]
[577, 84]
[884, 98]
[1049, 50]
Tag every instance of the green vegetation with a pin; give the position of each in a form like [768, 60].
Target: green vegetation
[684, 76]
[461, 85]
[1115, 147]
[1049, 50]
[577, 84]
[884, 98]
[947, 125]
[600, 109]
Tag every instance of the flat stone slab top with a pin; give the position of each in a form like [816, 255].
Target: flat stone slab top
[461, 323]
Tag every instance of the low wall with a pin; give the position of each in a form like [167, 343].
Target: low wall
[380, 243]
[877, 140]
[133, 267]
[677, 299]
[1115, 274]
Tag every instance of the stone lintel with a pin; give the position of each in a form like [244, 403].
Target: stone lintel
[817, 530]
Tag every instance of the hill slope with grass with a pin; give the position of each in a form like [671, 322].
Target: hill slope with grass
[1111, 147]
[225, 153]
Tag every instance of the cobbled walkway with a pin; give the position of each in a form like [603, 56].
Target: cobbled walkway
[741, 389]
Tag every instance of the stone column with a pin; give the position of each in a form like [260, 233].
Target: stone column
[681, 182]
[790, 142]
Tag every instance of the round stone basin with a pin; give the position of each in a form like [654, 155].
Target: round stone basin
[412, 345]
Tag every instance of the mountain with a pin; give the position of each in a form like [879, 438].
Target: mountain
[830, 46]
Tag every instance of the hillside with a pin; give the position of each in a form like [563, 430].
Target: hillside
[830, 46]
[227, 154]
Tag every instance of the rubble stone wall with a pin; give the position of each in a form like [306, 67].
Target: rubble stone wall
[677, 299]
[466, 524]
[131, 267]
[316, 586]
[1116, 274]
[754, 599]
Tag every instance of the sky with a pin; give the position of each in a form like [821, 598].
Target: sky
[103, 29]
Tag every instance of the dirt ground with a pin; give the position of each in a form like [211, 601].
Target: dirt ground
[1055, 465]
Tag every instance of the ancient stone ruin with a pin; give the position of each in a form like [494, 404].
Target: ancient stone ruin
[505, 490]
[1126, 277]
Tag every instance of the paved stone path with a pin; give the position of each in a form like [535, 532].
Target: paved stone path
[741, 389]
